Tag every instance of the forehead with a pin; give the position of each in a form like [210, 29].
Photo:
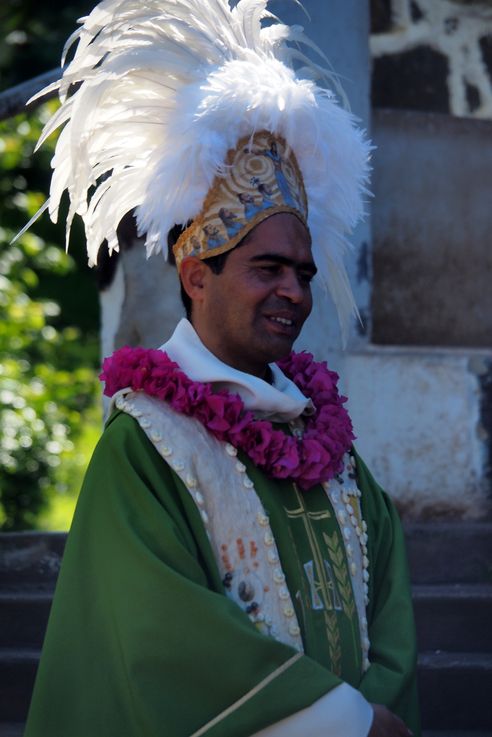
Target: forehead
[283, 234]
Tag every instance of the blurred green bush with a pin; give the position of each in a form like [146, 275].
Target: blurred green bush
[48, 334]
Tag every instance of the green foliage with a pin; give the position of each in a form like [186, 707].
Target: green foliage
[48, 364]
[33, 35]
[70, 473]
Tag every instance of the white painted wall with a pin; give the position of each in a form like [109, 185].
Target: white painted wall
[417, 416]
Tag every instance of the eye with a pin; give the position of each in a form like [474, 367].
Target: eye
[269, 269]
[305, 277]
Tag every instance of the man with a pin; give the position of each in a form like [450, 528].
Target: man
[232, 569]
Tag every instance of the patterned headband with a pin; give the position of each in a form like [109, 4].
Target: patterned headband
[260, 178]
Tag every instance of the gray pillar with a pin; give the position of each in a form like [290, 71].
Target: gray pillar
[341, 29]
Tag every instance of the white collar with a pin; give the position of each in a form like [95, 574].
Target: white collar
[278, 402]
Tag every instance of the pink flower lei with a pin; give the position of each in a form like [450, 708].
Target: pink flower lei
[315, 457]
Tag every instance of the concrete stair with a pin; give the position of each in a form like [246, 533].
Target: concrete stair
[29, 566]
[11, 730]
[451, 567]
[451, 571]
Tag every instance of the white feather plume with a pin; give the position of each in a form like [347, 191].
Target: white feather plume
[164, 88]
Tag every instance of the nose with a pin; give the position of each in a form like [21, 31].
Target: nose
[291, 288]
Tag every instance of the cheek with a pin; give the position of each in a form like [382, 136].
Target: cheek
[308, 303]
[216, 310]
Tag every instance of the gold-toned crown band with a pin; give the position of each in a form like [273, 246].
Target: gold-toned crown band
[261, 178]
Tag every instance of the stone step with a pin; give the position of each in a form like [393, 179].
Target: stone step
[455, 688]
[438, 552]
[449, 552]
[17, 674]
[24, 617]
[454, 733]
[449, 617]
[451, 733]
[452, 617]
[11, 730]
[30, 559]
[455, 691]
[17, 730]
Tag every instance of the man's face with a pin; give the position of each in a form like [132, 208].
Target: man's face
[251, 313]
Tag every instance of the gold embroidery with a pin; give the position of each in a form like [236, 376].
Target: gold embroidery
[323, 586]
[340, 568]
[322, 580]
[334, 645]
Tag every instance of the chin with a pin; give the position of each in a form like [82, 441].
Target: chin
[281, 352]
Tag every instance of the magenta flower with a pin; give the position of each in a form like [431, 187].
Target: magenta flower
[314, 458]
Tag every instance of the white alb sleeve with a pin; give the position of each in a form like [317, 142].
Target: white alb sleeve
[342, 712]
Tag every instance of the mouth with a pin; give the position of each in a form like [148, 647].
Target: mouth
[283, 325]
[283, 321]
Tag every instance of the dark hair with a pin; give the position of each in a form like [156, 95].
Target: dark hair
[215, 263]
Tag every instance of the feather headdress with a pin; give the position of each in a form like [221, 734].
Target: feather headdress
[158, 92]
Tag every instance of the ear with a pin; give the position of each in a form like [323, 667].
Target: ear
[193, 275]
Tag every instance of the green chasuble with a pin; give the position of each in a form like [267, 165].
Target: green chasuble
[143, 641]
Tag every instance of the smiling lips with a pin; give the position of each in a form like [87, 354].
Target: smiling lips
[283, 321]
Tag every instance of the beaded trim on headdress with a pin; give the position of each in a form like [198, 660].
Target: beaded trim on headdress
[261, 177]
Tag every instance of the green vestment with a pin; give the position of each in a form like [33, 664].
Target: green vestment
[143, 642]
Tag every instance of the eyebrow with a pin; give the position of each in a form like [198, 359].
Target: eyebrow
[279, 259]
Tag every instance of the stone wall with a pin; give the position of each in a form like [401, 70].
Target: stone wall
[431, 222]
[432, 75]
[432, 55]
[421, 401]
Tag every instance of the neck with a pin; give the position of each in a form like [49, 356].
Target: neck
[259, 369]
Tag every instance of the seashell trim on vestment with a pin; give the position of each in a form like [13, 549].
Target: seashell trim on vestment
[239, 531]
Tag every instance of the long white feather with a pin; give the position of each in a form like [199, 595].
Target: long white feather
[157, 92]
